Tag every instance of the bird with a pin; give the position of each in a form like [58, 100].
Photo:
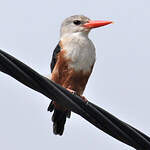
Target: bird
[72, 63]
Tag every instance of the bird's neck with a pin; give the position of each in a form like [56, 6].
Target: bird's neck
[74, 39]
[76, 35]
[80, 50]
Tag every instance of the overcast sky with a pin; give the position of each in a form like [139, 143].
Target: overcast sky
[120, 82]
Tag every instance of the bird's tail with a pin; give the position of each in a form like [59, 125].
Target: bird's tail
[59, 119]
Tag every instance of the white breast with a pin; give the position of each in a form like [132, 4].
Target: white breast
[80, 50]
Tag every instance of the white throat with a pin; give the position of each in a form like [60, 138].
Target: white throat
[80, 49]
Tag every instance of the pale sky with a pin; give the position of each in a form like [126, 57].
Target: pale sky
[120, 82]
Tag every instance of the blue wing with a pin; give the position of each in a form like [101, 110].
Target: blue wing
[54, 56]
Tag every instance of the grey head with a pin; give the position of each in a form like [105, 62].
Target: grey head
[74, 24]
[80, 24]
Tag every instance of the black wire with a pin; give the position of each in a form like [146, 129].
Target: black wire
[111, 125]
[89, 111]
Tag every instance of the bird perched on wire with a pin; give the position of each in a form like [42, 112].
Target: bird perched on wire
[72, 62]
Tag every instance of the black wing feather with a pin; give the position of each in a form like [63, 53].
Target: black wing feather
[54, 57]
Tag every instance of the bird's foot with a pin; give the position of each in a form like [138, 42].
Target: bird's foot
[84, 98]
[72, 91]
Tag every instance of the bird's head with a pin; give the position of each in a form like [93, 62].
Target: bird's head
[80, 24]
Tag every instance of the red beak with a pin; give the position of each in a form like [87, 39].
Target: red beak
[97, 23]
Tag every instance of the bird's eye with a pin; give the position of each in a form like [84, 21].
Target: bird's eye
[77, 22]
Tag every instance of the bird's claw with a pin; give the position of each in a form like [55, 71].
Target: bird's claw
[84, 98]
[72, 91]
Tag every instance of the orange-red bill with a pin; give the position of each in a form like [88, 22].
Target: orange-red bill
[97, 23]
